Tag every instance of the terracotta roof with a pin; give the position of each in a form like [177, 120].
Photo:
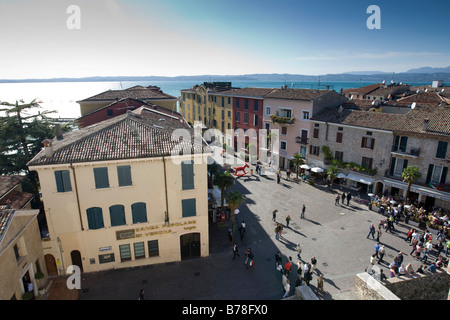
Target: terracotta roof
[438, 125]
[5, 218]
[297, 94]
[126, 136]
[422, 98]
[136, 92]
[9, 182]
[363, 90]
[247, 92]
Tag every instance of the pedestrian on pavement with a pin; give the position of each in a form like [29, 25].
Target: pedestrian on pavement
[308, 273]
[379, 233]
[381, 254]
[279, 231]
[235, 250]
[409, 269]
[343, 197]
[392, 272]
[274, 215]
[288, 173]
[288, 218]
[278, 257]
[336, 201]
[400, 258]
[371, 231]
[349, 197]
[299, 251]
[288, 266]
[242, 230]
[313, 264]
[320, 283]
[377, 249]
[278, 177]
[372, 259]
[302, 216]
[287, 289]
[409, 235]
[249, 258]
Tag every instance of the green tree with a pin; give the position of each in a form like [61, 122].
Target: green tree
[224, 181]
[298, 161]
[234, 199]
[410, 174]
[332, 173]
[23, 127]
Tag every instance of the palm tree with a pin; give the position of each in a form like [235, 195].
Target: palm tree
[298, 161]
[410, 174]
[234, 199]
[332, 174]
[224, 181]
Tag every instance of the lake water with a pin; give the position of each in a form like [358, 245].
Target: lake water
[62, 96]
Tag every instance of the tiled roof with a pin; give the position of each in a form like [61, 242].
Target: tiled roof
[422, 98]
[126, 136]
[136, 92]
[8, 182]
[5, 218]
[438, 125]
[363, 90]
[247, 92]
[297, 94]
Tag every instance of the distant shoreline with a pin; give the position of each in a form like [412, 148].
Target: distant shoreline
[397, 77]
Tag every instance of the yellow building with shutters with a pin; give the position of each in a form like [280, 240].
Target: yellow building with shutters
[115, 196]
[209, 103]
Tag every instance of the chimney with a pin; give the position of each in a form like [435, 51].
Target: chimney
[59, 134]
[425, 124]
[48, 147]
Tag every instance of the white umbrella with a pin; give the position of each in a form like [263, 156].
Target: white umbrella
[317, 169]
[305, 166]
[370, 194]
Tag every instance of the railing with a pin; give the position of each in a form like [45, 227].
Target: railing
[301, 140]
[283, 120]
[415, 152]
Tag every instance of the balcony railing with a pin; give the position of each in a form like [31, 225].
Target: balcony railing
[283, 120]
[301, 140]
[413, 152]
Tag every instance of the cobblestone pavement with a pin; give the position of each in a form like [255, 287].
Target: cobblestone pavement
[334, 234]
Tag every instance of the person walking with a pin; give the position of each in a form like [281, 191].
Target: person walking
[313, 264]
[288, 218]
[379, 233]
[288, 174]
[302, 216]
[287, 289]
[249, 258]
[381, 254]
[343, 197]
[349, 197]
[235, 251]
[288, 266]
[298, 248]
[336, 200]
[242, 230]
[278, 258]
[409, 235]
[371, 231]
[274, 215]
[377, 249]
[278, 178]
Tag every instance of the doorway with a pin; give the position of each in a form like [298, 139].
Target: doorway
[50, 264]
[75, 255]
[190, 246]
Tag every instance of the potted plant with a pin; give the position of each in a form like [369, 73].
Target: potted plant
[38, 276]
[28, 296]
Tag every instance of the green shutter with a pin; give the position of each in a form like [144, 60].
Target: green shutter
[124, 175]
[62, 178]
[95, 218]
[429, 173]
[125, 252]
[444, 175]
[139, 250]
[117, 215]
[188, 207]
[59, 182]
[405, 164]
[442, 149]
[101, 178]
[403, 143]
[139, 212]
[187, 175]
[393, 160]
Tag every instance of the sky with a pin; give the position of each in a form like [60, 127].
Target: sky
[50, 39]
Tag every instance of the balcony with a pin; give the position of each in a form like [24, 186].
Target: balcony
[301, 140]
[411, 152]
[282, 120]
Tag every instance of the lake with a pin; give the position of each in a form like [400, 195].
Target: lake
[62, 96]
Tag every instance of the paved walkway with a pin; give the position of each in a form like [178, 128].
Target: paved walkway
[334, 234]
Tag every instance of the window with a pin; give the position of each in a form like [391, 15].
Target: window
[316, 133]
[366, 162]
[339, 155]
[125, 252]
[245, 117]
[110, 112]
[237, 103]
[255, 120]
[124, 175]
[285, 113]
[63, 181]
[436, 174]
[223, 102]
[284, 130]
[255, 106]
[314, 150]
[400, 143]
[305, 115]
[101, 178]
[229, 100]
[367, 142]
[187, 175]
[188, 207]
[397, 166]
[283, 145]
[95, 218]
[441, 150]
[117, 215]
[139, 212]
[223, 114]
[237, 116]
[339, 137]
[139, 250]
[246, 104]
[268, 111]
[229, 114]
[153, 248]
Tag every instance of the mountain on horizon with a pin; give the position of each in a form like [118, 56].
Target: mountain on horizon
[429, 70]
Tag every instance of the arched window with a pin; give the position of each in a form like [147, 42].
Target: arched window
[117, 215]
[95, 218]
[139, 212]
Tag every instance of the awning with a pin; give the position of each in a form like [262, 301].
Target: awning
[359, 178]
[317, 169]
[418, 189]
[341, 175]
[305, 166]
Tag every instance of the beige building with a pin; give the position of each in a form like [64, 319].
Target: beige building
[21, 254]
[116, 197]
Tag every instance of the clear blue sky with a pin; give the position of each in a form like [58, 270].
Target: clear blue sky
[177, 37]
